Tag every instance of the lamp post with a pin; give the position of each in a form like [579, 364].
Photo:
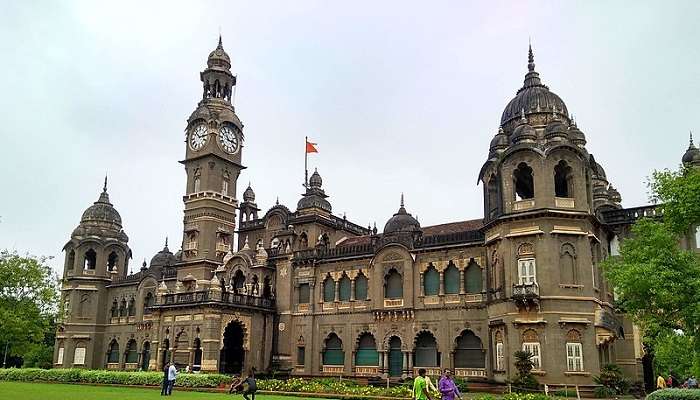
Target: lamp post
[4, 358]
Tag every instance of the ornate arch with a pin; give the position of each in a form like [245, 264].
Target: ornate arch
[245, 323]
[428, 331]
[394, 333]
[526, 249]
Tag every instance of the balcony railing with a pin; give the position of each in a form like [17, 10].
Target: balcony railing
[526, 291]
[630, 215]
[191, 246]
[207, 296]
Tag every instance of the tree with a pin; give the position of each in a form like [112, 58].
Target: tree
[655, 280]
[671, 354]
[28, 302]
[524, 365]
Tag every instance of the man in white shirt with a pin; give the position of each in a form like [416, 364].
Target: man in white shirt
[172, 374]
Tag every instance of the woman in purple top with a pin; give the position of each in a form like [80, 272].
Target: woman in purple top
[447, 387]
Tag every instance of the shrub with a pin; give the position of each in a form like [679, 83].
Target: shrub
[612, 379]
[565, 393]
[675, 394]
[524, 365]
[525, 396]
[108, 377]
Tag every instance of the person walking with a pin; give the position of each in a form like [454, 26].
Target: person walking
[164, 389]
[420, 389]
[660, 382]
[448, 388]
[692, 382]
[172, 374]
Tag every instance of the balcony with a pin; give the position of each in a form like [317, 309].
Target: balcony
[222, 247]
[206, 296]
[526, 294]
[190, 246]
[393, 302]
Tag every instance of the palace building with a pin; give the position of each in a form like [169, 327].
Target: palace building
[305, 292]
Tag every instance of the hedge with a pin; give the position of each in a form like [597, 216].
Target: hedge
[675, 394]
[109, 377]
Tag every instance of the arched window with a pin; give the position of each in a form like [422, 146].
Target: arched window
[166, 351]
[113, 353]
[145, 356]
[112, 260]
[115, 309]
[90, 259]
[567, 264]
[324, 240]
[275, 243]
[224, 187]
[393, 288]
[132, 307]
[495, 271]
[431, 281]
[328, 289]
[468, 351]
[303, 241]
[267, 288]
[574, 351]
[344, 289]
[426, 350]
[493, 197]
[366, 354]
[531, 344]
[122, 308]
[333, 353]
[472, 278]
[132, 356]
[451, 279]
[238, 281]
[196, 184]
[197, 364]
[524, 183]
[500, 356]
[148, 301]
[563, 180]
[361, 284]
[70, 260]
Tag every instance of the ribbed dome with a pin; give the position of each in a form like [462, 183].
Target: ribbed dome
[576, 136]
[314, 197]
[164, 257]
[533, 97]
[524, 132]
[500, 141]
[102, 211]
[555, 129]
[402, 221]
[219, 57]
[249, 195]
[692, 155]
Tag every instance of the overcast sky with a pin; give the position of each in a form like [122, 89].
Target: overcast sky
[400, 96]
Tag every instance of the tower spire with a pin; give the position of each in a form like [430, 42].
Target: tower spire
[530, 58]
[104, 189]
[221, 45]
[691, 140]
[401, 199]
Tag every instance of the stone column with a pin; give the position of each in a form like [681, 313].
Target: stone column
[404, 366]
[422, 285]
[461, 281]
[410, 363]
[352, 290]
[442, 283]
[386, 361]
[337, 290]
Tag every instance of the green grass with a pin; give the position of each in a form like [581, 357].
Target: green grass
[50, 391]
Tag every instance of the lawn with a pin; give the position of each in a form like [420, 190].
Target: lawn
[50, 391]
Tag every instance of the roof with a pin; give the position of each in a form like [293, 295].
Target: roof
[356, 240]
[452, 227]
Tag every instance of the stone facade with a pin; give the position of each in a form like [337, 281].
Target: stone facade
[311, 293]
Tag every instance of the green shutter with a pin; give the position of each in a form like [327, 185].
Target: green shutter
[451, 280]
[368, 357]
[132, 356]
[344, 290]
[431, 282]
[361, 287]
[472, 276]
[394, 285]
[328, 290]
[304, 293]
[333, 357]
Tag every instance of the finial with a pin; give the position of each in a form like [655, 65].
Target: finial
[402, 199]
[143, 266]
[104, 189]
[166, 241]
[277, 202]
[221, 45]
[691, 138]
[530, 58]
[500, 130]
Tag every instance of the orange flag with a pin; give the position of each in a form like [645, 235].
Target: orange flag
[311, 147]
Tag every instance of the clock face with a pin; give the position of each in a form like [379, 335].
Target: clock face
[198, 137]
[228, 140]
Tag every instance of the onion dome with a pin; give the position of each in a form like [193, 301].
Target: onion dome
[249, 195]
[614, 195]
[314, 197]
[523, 133]
[533, 97]
[102, 211]
[597, 169]
[164, 257]
[219, 57]
[692, 155]
[575, 135]
[499, 142]
[402, 221]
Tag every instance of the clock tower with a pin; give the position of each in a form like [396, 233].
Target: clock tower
[214, 142]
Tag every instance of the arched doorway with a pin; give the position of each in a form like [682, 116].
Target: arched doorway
[166, 353]
[232, 354]
[426, 354]
[468, 351]
[395, 357]
[197, 364]
[145, 356]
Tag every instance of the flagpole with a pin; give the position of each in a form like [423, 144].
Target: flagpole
[306, 169]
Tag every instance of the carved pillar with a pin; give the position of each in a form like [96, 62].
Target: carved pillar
[352, 290]
[386, 361]
[442, 283]
[381, 362]
[404, 366]
[422, 284]
[461, 281]
[337, 290]
[410, 363]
